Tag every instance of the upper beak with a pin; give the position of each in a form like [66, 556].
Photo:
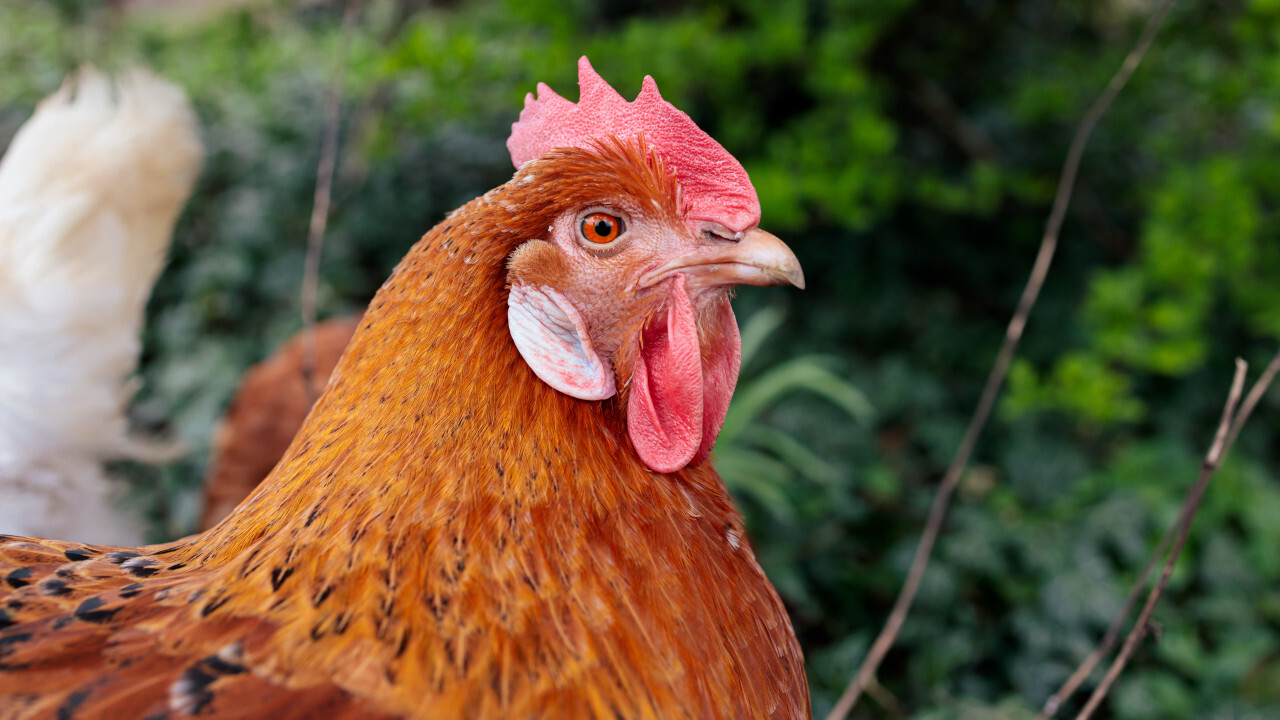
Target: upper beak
[759, 258]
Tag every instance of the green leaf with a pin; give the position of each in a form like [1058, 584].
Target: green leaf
[803, 373]
[758, 328]
[791, 451]
[760, 477]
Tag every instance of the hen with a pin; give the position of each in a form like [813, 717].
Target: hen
[89, 192]
[501, 505]
[265, 414]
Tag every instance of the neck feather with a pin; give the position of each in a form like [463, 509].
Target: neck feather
[432, 408]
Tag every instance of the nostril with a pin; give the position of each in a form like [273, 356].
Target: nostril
[719, 234]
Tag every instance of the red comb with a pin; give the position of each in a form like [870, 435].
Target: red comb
[714, 185]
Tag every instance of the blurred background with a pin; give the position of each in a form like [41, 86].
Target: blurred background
[908, 151]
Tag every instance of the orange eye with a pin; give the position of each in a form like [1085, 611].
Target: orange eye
[602, 228]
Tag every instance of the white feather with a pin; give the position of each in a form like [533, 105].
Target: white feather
[90, 189]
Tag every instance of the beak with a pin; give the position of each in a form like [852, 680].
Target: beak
[759, 258]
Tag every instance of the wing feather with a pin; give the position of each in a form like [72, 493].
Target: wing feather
[103, 632]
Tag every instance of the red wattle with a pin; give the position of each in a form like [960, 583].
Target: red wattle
[719, 376]
[664, 412]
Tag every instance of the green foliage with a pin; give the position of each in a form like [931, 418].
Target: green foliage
[760, 462]
[908, 152]
[1153, 315]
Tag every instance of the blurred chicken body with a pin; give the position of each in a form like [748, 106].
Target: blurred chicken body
[90, 189]
[500, 507]
[265, 414]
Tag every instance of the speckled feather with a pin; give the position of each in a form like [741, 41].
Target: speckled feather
[447, 537]
[265, 414]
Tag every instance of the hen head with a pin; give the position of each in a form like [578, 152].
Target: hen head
[628, 289]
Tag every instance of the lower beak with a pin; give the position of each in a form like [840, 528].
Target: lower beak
[759, 258]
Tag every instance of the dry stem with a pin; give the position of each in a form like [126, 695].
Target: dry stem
[1087, 667]
[1044, 257]
[320, 204]
[1225, 436]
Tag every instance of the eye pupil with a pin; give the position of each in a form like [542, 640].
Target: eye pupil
[601, 228]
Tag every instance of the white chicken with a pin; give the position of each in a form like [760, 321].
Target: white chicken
[90, 189]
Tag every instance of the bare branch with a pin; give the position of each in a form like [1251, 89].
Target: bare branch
[1255, 395]
[1086, 668]
[1212, 461]
[933, 100]
[1090, 663]
[881, 695]
[1044, 257]
[320, 204]
[1225, 436]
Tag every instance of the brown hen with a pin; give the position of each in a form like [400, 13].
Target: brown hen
[265, 414]
[499, 508]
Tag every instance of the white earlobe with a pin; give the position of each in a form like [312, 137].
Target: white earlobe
[552, 337]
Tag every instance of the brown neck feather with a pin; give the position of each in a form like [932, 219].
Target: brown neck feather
[432, 406]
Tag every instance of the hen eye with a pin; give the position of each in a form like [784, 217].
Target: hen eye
[602, 228]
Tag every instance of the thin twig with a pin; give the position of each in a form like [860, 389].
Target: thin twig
[1228, 429]
[1090, 663]
[1086, 668]
[320, 204]
[1251, 401]
[881, 695]
[1044, 257]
